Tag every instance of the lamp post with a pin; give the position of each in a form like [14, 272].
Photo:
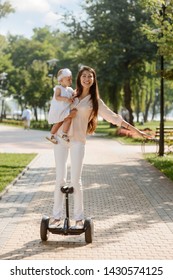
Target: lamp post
[161, 142]
[3, 77]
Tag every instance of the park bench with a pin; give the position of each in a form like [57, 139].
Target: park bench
[168, 139]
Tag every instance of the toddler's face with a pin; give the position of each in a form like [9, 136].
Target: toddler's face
[66, 81]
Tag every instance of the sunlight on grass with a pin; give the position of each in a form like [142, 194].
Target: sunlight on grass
[164, 164]
[11, 165]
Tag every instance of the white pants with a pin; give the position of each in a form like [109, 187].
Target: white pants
[61, 151]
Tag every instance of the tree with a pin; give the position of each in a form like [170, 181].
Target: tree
[160, 31]
[5, 62]
[121, 48]
[29, 80]
[5, 9]
[39, 88]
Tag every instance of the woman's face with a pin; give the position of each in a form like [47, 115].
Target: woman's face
[87, 79]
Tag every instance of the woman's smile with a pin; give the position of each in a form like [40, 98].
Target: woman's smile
[87, 79]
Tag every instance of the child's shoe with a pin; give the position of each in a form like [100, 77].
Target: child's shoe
[65, 137]
[52, 139]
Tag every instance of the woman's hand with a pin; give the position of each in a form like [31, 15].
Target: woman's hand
[135, 130]
[138, 132]
[143, 134]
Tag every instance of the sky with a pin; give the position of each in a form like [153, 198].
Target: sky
[31, 14]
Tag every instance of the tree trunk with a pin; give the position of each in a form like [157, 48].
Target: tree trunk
[114, 100]
[146, 112]
[35, 113]
[127, 100]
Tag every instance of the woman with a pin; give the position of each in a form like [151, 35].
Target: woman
[84, 121]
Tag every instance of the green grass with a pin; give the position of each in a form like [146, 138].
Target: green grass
[110, 132]
[11, 165]
[164, 164]
[104, 127]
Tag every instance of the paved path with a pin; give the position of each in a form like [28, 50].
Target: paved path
[131, 203]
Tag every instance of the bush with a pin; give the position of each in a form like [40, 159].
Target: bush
[42, 125]
[13, 122]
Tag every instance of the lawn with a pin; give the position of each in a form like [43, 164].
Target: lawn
[164, 164]
[11, 165]
[103, 127]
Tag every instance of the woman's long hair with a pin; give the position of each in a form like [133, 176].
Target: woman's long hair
[94, 92]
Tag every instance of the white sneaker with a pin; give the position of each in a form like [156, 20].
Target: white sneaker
[56, 223]
[79, 225]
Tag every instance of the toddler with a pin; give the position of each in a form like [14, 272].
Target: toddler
[61, 105]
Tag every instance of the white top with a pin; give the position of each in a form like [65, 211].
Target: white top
[59, 110]
[78, 128]
[27, 114]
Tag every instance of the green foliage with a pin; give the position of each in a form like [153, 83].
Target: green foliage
[115, 46]
[41, 125]
[29, 80]
[39, 88]
[13, 122]
[5, 9]
[24, 51]
[161, 29]
[5, 59]
[111, 39]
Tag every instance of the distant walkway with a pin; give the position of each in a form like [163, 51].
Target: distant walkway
[131, 203]
[17, 140]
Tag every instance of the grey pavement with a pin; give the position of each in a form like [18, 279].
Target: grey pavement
[130, 201]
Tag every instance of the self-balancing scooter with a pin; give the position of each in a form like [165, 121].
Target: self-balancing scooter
[88, 228]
